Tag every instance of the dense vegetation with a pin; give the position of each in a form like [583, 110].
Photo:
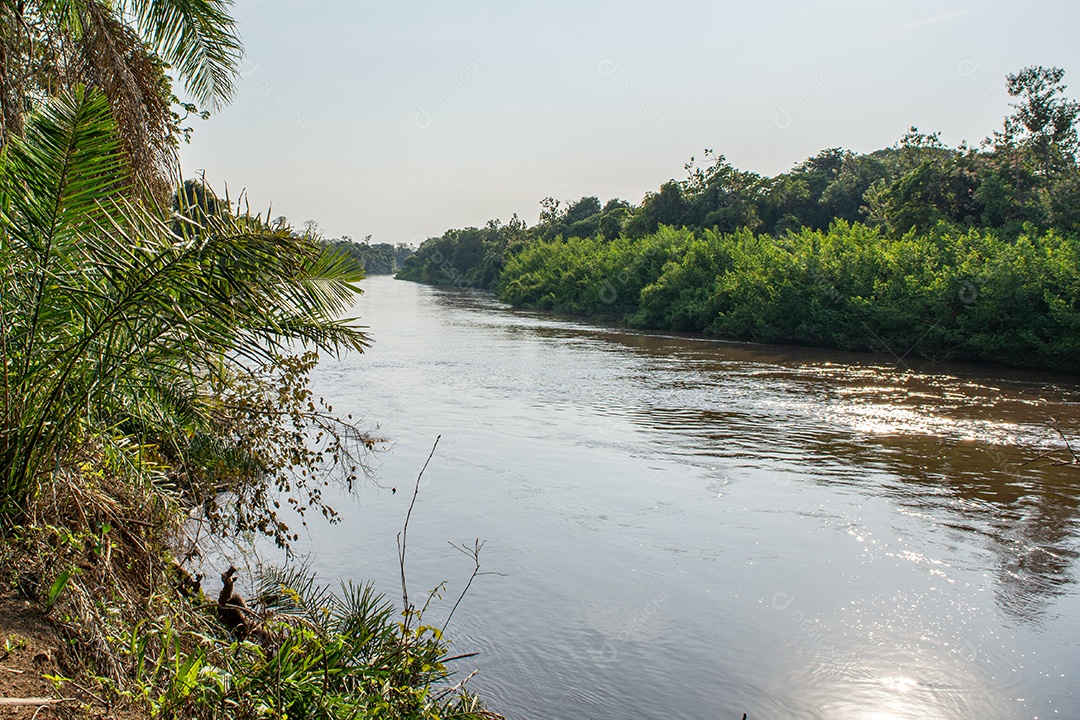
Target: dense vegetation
[944, 294]
[155, 344]
[377, 259]
[920, 249]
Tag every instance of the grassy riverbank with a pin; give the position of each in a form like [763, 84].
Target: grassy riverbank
[98, 618]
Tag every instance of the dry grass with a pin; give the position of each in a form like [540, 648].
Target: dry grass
[109, 540]
[89, 580]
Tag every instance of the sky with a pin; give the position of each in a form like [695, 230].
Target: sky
[400, 120]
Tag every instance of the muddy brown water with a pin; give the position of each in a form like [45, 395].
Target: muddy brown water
[688, 528]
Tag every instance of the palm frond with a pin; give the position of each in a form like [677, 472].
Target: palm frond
[363, 613]
[296, 591]
[112, 57]
[103, 306]
[198, 38]
[68, 163]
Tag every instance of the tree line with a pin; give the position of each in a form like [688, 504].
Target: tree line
[374, 258]
[862, 251]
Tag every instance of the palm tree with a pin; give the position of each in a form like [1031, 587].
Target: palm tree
[126, 49]
[105, 310]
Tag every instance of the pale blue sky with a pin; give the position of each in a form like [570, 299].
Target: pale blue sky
[403, 119]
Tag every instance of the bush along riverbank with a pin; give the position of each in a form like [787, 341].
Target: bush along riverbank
[99, 619]
[945, 295]
[918, 249]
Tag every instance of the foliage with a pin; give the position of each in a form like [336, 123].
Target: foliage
[124, 50]
[948, 294]
[108, 319]
[860, 251]
[377, 259]
[154, 380]
[1045, 120]
[469, 258]
[143, 640]
[264, 441]
[1025, 175]
[586, 276]
[319, 654]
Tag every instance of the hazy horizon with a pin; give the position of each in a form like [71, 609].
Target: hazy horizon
[402, 121]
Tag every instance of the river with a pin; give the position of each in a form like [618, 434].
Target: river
[688, 528]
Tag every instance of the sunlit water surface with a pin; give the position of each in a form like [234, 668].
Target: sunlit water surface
[696, 529]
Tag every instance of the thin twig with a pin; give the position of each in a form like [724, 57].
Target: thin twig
[1040, 456]
[435, 593]
[31, 702]
[88, 691]
[1068, 446]
[473, 553]
[1048, 455]
[404, 534]
[457, 687]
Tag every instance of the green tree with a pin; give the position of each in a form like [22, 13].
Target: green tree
[613, 218]
[666, 207]
[109, 320]
[1044, 121]
[716, 196]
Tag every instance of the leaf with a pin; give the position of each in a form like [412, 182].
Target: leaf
[198, 38]
[111, 315]
[58, 587]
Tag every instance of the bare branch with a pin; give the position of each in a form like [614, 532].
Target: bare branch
[474, 554]
[404, 534]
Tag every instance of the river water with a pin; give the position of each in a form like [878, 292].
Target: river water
[687, 528]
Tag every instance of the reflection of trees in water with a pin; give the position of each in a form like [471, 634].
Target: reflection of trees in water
[1029, 513]
[1027, 516]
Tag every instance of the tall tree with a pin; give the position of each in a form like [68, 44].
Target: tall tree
[1044, 121]
[125, 48]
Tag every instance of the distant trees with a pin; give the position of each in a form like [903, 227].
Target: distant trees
[468, 258]
[1025, 175]
[194, 205]
[373, 259]
[377, 259]
[842, 242]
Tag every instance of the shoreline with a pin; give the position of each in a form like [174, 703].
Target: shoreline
[791, 353]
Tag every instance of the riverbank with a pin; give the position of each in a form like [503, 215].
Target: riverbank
[99, 619]
[947, 295]
[30, 650]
